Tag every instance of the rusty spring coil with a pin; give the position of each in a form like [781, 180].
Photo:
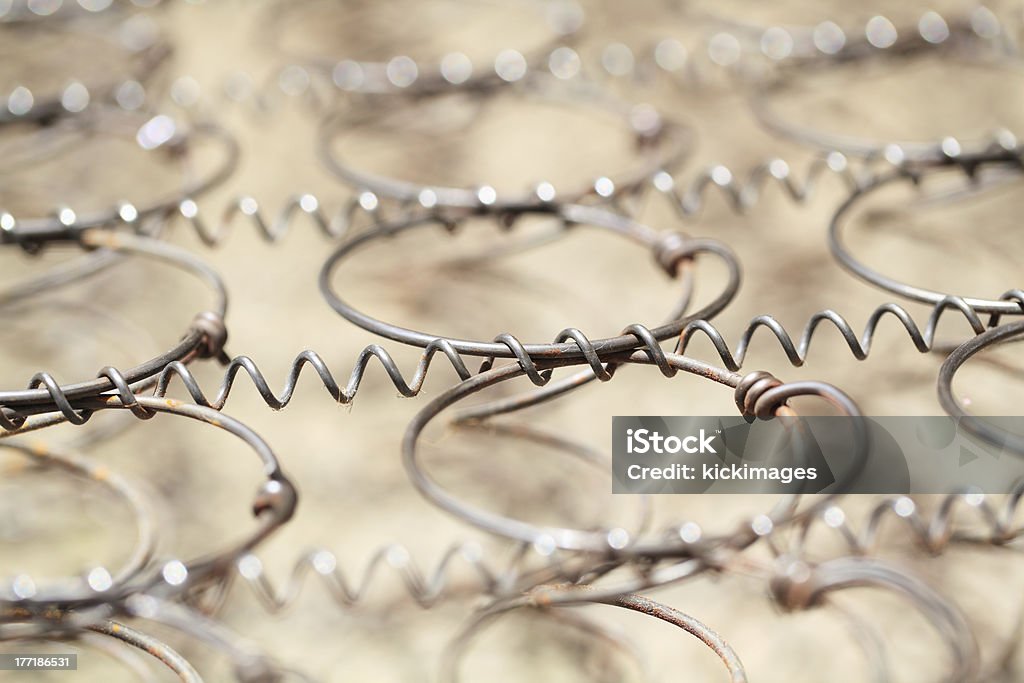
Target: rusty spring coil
[547, 569]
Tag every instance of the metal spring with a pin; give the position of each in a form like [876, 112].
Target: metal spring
[860, 347]
[213, 227]
[273, 504]
[742, 190]
[745, 192]
[995, 435]
[795, 583]
[426, 588]
[333, 225]
[934, 533]
[159, 650]
[537, 600]
[741, 195]
[538, 370]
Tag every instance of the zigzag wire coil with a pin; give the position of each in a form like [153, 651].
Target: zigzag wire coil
[796, 353]
[689, 198]
[518, 562]
[12, 421]
[213, 226]
[743, 192]
[425, 587]
[932, 532]
[334, 225]
[860, 347]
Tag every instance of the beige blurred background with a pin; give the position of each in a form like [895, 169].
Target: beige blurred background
[345, 460]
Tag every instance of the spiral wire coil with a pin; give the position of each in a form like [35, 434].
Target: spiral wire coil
[801, 550]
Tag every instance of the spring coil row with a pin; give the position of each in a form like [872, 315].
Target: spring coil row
[544, 571]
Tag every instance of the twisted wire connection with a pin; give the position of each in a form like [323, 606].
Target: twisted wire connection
[932, 531]
[538, 370]
[860, 347]
[10, 420]
[344, 395]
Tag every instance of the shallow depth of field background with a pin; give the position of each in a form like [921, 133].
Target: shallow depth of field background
[355, 495]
